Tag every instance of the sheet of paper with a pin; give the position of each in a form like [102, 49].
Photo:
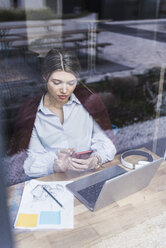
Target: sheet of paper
[38, 210]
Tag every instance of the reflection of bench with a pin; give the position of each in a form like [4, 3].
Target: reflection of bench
[25, 44]
[40, 42]
[28, 37]
[37, 54]
[36, 24]
[16, 32]
[62, 33]
[42, 51]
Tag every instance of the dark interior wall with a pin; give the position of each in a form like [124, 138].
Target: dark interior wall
[118, 9]
[113, 9]
[148, 9]
[68, 6]
[132, 9]
[85, 5]
[93, 6]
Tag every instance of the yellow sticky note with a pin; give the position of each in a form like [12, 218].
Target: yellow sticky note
[27, 220]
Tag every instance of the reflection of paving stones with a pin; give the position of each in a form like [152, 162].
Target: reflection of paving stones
[105, 66]
[161, 27]
[136, 32]
[15, 68]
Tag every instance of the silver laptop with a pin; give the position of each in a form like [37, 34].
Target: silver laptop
[112, 184]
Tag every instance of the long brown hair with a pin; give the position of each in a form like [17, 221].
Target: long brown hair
[60, 60]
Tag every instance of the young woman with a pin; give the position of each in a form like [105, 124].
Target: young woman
[61, 121]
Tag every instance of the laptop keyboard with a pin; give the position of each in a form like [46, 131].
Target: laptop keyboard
[92, 192]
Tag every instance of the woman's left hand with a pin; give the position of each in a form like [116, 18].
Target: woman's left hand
[61, 164]
[84, 164]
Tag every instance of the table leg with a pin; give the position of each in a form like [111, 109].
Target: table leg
[92, 38]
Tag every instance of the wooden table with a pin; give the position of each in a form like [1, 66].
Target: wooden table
[101, 228]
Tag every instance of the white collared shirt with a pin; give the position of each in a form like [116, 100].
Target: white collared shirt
[49, 135]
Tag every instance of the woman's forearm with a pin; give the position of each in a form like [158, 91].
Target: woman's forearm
[39, 164]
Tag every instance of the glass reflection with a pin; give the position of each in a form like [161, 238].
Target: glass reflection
[121, 53]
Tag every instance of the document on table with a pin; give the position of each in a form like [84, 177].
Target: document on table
[45, 205]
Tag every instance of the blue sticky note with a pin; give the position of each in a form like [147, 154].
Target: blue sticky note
[50, 217]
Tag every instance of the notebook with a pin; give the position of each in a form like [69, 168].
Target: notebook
[112, 184]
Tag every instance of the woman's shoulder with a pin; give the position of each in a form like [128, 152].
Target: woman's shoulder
[89, 99]
[33, 100]
[30, 105]
[24, 124]
[93, 103]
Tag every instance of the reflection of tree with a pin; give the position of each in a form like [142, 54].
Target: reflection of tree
[130, 99]
[56, 6]
[4, 44]
[158, 105]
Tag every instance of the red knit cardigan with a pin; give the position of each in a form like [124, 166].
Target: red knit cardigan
[13, 168]
[27, 114]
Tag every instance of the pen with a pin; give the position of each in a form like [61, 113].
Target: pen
[52, 197]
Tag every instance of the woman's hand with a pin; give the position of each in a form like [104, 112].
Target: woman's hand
[62, 163]
[65, 162]
[84, 164]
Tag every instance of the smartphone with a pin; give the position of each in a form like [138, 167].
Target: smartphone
[82, 155]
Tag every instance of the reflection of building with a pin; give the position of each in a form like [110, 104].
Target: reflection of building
[30, 4]
[54, 5]
[106, 9]
[5, 4]
[22, 4]
[129, 9]
[120, 9]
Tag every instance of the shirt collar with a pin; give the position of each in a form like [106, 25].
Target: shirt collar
[41, 105]
[73, 98]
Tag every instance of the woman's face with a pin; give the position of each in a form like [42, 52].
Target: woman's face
[61, 85]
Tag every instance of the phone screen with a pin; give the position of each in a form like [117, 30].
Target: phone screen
[82, 155]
